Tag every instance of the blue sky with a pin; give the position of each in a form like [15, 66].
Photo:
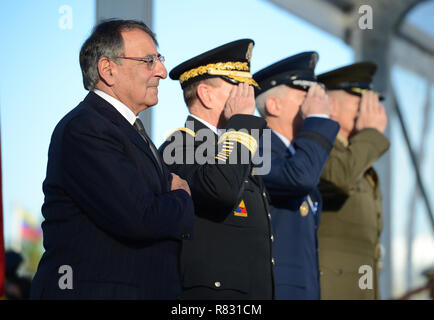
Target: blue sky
[421, 16]
[41, 82]
[276, 33]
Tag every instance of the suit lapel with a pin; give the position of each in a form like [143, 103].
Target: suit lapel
[277, 145]
[197, 125]
[141, 144]
[110, 112]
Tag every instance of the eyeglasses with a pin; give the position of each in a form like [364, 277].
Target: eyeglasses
[150, 60]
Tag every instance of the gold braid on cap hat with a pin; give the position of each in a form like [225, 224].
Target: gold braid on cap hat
[238, 71]
[362, 91]
[359, 90]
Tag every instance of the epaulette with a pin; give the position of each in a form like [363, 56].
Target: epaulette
[186, 130]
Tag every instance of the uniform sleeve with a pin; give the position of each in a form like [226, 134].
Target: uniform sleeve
[297, 175]
[217, 182]
[346, 165]
[103, 181]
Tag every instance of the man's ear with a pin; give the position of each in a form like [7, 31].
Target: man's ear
[107, 71]
[273, 106]
[204, 94]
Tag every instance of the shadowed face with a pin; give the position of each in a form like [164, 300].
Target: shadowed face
[136, 82]
[345, 109]
[221, 90]
[292, 101]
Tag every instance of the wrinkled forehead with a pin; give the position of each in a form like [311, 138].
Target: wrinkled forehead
[295, 91]
[347, 99]
[137, 43]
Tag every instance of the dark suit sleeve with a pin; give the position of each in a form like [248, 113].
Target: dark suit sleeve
[298, 174]
[219, 184]
[347, 164]
[101, 179]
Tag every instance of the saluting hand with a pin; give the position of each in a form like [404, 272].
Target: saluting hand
[241, 101]
[372, 113]
[316, 102]
[179, 183]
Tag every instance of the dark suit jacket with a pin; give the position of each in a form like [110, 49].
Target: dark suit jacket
[291, 179]
[109, 212]
[230, 255]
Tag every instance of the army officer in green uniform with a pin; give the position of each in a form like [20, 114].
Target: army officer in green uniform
[351, 224]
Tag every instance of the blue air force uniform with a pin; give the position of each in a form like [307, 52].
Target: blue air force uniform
[295, 202]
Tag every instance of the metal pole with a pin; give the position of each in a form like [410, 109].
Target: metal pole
[413, 160]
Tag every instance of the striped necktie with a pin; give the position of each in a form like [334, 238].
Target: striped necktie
[138, 125]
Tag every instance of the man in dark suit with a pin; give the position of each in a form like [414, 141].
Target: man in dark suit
[114, 216]
[230, 255]
[296, 109]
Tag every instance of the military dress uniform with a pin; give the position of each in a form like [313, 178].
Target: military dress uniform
[230, 255]
[295, 202]
[349, 236]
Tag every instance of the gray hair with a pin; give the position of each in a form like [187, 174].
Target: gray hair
[262, 99]
[106, 41]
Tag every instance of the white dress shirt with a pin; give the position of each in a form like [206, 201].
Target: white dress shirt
[286, 142]
[119, 106]
[218, 132]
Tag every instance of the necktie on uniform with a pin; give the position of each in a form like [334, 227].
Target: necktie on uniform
[138, 125]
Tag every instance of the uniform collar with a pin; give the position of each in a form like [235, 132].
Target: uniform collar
[285, 141]
[208, 125]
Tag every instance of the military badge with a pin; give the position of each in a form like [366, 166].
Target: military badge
[249, 51]
[241, 211]
[304, 209]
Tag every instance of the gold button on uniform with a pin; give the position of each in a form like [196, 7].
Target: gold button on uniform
[272, 261]
[304, 209]
[379, 265]
[377, 251]
[272, 238]
[217, 284]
